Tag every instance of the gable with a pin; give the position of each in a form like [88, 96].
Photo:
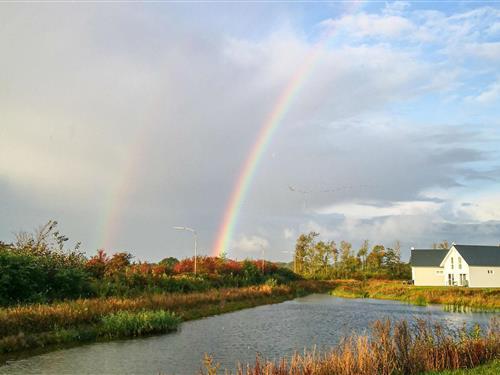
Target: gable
[427, 257]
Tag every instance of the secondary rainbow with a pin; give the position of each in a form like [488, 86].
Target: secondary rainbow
[265, 135]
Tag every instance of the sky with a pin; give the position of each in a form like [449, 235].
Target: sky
[121, 120]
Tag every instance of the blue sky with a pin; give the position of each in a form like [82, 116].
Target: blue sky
[121, 120]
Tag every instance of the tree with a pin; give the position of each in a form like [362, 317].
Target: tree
[169, 263]
[363, 252]
[443, 245]
[303, 251]
[347, 262]
[375, 259]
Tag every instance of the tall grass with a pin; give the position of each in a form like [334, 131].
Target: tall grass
[40, 318]
[456, 297]
[116, 325]
[27, 327]
[392, 348]
[126, 323]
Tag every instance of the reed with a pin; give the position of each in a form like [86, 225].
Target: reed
[392, 348]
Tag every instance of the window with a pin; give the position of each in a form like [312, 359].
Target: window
[438, 272]
[490, 272]
[451, 262]
[450, 279]
[459, 263]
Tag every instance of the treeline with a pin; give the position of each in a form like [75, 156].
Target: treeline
[39, 268]
[327, 260]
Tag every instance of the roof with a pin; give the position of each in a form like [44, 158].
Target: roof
[480, 255]
[427, 257]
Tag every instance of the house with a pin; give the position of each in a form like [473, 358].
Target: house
[426, 266]
[461, 265]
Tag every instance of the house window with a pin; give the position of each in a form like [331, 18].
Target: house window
[490, 272]
[451, 262]
[459, 263]
[451, 279]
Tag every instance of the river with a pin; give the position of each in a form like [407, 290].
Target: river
[273, 330]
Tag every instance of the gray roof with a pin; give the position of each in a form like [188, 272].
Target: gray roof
[427, 257]
[480, 255]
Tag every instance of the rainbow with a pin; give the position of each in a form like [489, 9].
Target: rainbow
[119, 195]
[121, 192]
[267, 130]
[264, 137]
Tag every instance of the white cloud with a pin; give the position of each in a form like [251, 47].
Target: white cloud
[250, 243]
[484, 50]
[490, 95]
[288, 233]
[367, 211]
[479, 208]
[363, 25]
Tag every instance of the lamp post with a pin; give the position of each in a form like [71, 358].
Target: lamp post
[195, 242]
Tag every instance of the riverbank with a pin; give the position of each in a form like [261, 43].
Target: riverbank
[491, 368]
[25, 328]
[455, 298]
[391, 348]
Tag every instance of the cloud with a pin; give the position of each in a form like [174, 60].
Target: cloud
[483, 50]
[369, 211]
[490, 95]
[363, 25]
[250, 244]
[144, 119]
[288, 234]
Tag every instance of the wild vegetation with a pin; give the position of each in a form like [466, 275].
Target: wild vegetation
[38, 325]
[325, 260]
[391, 348]
[38, 268]
[454, 297]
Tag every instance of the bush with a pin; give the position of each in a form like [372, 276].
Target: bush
[31, 278]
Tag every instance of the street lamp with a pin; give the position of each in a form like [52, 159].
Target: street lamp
[195, 242]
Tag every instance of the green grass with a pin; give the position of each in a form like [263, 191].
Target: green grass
[492, 368]
[131, 324]
[454, 298]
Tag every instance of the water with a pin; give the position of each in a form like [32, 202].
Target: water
[274, 330]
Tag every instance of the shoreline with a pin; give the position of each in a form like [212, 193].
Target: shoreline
[454, 299]
[23, 345]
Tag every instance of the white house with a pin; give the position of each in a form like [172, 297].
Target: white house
[461, 265]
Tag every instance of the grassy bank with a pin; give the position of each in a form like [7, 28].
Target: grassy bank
[492, 368]
[29, 327]
[486, 299]
[392, 348]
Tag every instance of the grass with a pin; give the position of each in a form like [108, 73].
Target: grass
[117, 325]
[130, 324]
[455, 298]
[392, 348]
[43, 326]
[492, 368]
